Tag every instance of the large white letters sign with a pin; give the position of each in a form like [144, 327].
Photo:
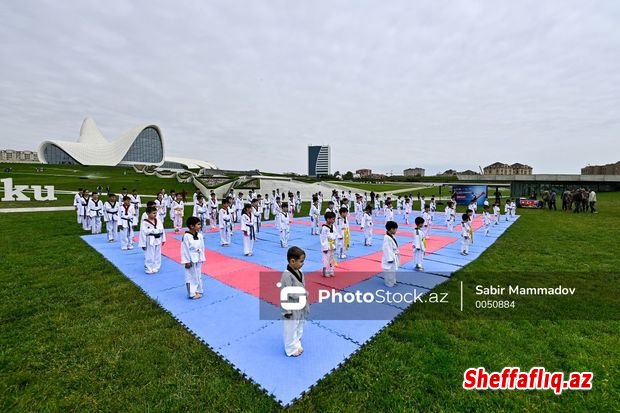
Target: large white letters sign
[15, 193]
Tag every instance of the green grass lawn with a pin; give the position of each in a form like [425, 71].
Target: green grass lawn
[72, 177]
[78, 336]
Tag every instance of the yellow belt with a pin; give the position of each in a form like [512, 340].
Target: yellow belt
[347, 237]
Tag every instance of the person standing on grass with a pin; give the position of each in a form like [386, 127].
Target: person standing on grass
[294, 320]
[192, 257]
[76, 203]
[592, 201]
[110, 215]
[95, 212]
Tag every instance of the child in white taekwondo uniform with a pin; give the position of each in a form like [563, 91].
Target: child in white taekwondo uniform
[419, 244]
[110, 215]
[76, 204]
[359, 210]
[152, 237]
[298, 202]
[212, 205]
[473, 205]
[389, 212]
[266, 205]
[257, 212]
[428, 222]
[486, 219]
[390, 261]
[284, 224]
[507, 208]
[422, 204]
[294, 319]
[137, 203]
[160, 204]
[328, 244]
[225, 222]
[278, 209]
[315, 214]
[408, 209]
[192, 257]
[247, 227]
[343, 240]
[367, 226]
[496, 213]
[513, 209]
[201, 211]
[126, 217]
[95, 213]
[466, 235]
[450, 216]
[177, 210]
[83, 208]
[238, 207]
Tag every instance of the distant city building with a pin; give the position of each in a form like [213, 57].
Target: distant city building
[318, 160]
[609, 169]
[414, 172]
[9, 155]
[448, 172]
[468, 172]
[499, 168]
[364, 173]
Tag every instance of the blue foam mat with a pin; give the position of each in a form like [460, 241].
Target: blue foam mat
[228, 319]
[287, 378]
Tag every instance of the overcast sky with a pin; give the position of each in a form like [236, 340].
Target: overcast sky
[388, 84]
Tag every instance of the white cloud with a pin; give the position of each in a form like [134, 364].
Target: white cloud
[387, 85]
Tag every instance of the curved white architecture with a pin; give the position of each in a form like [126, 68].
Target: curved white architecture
[173, 162]
[142, 145]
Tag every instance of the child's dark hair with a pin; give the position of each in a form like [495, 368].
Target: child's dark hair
[150, 204]
[150, 209]
[342, 210]
[110, 195]
[329, 215]
[295, 253]
[469, 211]
[192, 221]
[419, 221]
[465, 217]
[388, 202]
[247, 207]
[368, 208]
[315, 199]
[225, 201]
[126, 198]
[391, 225]
[284, 205]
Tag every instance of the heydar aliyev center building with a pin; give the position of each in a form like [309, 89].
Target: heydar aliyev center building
[143, 145]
